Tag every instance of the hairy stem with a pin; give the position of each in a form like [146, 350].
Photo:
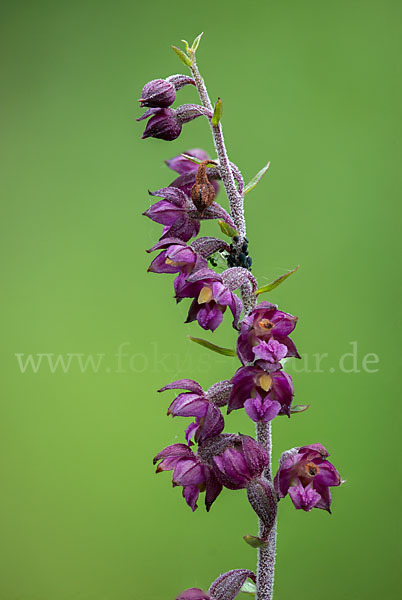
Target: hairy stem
[266, 554]
[228, 180]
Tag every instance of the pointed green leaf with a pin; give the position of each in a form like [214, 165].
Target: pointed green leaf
[298, 408]
[254, 541]
[197, 161]
[251, 184]
[271, 286]
[249, 588]
[196, 42]
[185, 42]
[183, 56]
[227, 229]
[216, 117]
[213, 347]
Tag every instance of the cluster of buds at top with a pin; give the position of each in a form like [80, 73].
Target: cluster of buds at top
[260, 385]
[166, 123]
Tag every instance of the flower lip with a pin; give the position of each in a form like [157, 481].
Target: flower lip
[205, 295]
[265, 381]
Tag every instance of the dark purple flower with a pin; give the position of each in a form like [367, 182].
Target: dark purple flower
[235, 460]
[187, 170]
[195, 403]
[189, 472]
[176, 257]
[211, 298]
[264, 393]
[306, 475]
[161, 93]
[166, 123]
[179, 216]
[264, 335]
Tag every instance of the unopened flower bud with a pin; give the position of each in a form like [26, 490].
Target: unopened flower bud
[228, 585]
[158, 93]
[166, 123]
[163, 124]
[262, 498]
[161, 93]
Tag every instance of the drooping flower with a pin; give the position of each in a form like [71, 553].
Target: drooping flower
[263, 391]
[179, 216]
[167, 123]
[190, 473]
[235, 460]
[306, 475]
[164, 124]
[264, 335]
[195, 403]
[211, 298]
[176, 257]
[161, 93]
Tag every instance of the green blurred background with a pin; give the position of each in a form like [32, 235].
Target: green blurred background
[313, 86]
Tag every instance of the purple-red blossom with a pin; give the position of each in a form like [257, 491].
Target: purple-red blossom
[167, 123]
[306, 475]
[178, 214]
[211, 298]
[263, 391]
[176, 257]
[164, 124]
[264, 335]
[194, 402]
[235, 460]
[190, 473]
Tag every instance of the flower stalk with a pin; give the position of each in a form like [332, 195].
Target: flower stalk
[266, 552]
[228, 180]
[210, 459]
